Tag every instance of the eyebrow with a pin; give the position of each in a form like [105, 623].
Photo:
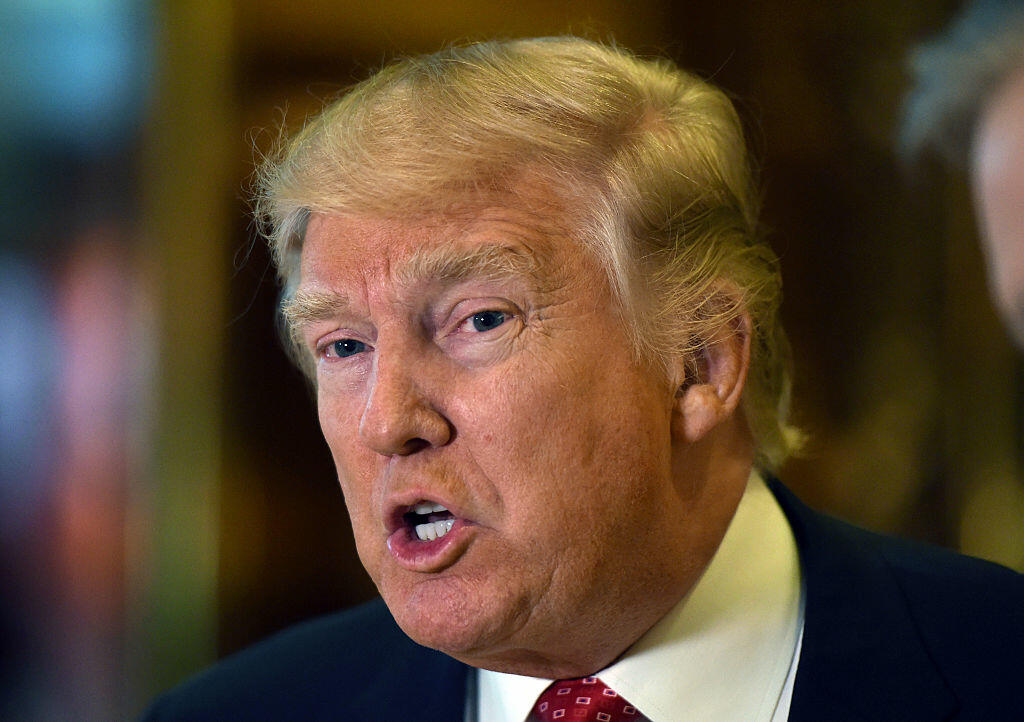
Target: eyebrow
[308, 307]
[447, 263]
[493, 262]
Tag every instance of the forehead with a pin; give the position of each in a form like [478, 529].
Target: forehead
[491, 241]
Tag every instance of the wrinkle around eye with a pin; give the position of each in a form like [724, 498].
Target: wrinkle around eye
[471, 347]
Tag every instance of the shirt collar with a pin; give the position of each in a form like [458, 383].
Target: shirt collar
[736, 631]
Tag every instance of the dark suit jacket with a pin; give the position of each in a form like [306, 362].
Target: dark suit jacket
[892, 631]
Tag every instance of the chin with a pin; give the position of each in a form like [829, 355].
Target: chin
[465, 623]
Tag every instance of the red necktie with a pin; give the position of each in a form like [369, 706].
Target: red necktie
[578, 700]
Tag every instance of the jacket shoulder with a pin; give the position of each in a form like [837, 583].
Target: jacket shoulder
[969, 613]
[892, 624]
[958, 601]
[355, 664]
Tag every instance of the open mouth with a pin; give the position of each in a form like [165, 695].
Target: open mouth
[428, 521]
[426, 537]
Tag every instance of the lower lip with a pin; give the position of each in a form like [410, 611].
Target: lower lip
[429, 556]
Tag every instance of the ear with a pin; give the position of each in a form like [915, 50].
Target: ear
[713, 382]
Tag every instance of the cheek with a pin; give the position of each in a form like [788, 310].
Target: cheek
[1004, 251]
[355, 468]
[544, 434]
[339, 423]
[339, 410]
[333, 423]
[998, 181]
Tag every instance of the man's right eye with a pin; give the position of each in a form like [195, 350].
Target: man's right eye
[344, 348]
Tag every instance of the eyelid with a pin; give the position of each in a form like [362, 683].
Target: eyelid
[322, 345]
[465, 310]
[468, 320]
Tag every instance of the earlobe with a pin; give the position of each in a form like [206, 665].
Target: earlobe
[713, 385]
[698, 411]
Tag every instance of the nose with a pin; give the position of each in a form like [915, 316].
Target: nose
[398, 418]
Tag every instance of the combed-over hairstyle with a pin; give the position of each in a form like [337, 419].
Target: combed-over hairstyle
[648, 161]
[956, 73]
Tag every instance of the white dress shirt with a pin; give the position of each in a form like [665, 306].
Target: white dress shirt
[727, 651]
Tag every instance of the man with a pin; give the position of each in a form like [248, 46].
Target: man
[527, 283]
[968, 102]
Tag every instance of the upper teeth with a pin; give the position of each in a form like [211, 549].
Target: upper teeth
[434, 529]
[426, 507]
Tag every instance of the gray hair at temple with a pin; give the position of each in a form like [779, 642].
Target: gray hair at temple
[647, 163]
[954, 75]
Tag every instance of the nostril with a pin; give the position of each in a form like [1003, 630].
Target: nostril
[413, 445]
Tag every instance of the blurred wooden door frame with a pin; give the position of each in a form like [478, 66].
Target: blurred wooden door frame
[186, 198]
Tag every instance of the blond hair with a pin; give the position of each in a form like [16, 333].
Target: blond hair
[649, 161]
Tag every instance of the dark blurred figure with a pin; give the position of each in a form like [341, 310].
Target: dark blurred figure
[968, 104]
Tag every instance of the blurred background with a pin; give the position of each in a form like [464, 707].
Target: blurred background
[165, 496]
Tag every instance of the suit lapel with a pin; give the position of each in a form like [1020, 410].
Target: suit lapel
[862, 658]
[415, 683]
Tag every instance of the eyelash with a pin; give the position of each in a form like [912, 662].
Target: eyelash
[481, 317]
[324, 350]
[478, 317]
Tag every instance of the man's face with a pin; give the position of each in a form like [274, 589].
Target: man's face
[998, 181]
[506, 462]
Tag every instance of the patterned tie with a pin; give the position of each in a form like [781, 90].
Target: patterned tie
[578, 700]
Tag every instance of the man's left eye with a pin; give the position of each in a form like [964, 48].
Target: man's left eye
[344, 348]
[486, 320]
